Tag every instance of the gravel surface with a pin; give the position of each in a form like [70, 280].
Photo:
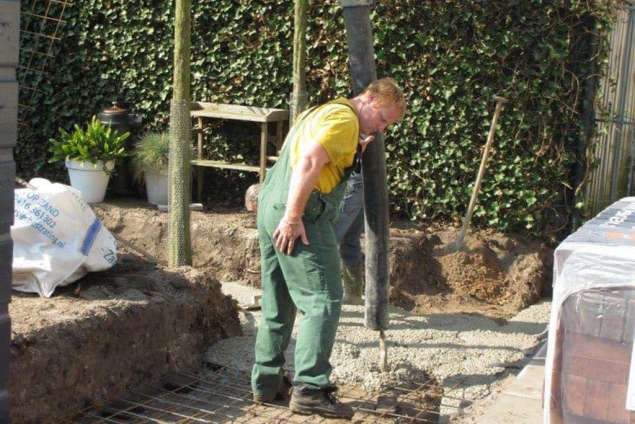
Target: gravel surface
[466, 353]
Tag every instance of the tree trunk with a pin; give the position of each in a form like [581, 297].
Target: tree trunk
[179, 239]
[299, 97]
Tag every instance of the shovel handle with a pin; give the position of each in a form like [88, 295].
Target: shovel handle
[500, 101]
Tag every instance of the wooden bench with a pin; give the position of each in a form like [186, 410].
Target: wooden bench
[202, 111]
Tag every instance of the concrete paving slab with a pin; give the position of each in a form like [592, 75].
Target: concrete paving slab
[519, 400]
[512, 409]
[243, 294]
[528, 384]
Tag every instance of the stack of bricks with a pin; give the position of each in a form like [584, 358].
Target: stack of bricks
[593, 358]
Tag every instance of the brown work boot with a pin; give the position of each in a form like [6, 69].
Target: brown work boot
[352, 283]
[307, 400]
[280, 397]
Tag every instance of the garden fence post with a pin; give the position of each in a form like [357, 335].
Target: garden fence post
[9, 36]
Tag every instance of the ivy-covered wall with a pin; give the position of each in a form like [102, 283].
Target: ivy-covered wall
[450, 57]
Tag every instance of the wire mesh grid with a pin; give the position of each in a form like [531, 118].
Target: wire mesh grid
[40, 30]
[223, 395]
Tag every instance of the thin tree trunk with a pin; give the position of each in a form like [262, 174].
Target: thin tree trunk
[179, 239]
[299, 98]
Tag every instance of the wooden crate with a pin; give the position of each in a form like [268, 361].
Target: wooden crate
[592, 361]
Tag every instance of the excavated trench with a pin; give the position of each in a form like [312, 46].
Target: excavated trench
[127, 345]
[494, 274]
[114, 331]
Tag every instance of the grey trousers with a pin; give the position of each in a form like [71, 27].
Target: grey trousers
[350, 223]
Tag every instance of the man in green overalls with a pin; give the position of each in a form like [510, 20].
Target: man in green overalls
[300, 264]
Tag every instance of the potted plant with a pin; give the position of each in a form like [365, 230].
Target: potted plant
[89, 155]
[151, 161]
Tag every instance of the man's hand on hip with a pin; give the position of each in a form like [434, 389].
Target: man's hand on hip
[286, 234]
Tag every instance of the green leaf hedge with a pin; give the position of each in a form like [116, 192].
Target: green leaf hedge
[450, 56]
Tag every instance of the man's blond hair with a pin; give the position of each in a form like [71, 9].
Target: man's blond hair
[386, 91]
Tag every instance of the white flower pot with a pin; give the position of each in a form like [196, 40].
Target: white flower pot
[157, 187]
[89, 178]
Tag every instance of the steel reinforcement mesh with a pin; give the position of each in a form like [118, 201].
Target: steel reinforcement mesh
[220, 394]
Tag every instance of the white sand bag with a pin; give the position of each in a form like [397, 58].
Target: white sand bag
[57, 238]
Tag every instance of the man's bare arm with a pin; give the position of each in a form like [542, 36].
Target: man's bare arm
[303, 178]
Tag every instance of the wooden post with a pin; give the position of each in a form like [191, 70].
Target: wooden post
[299, 96]
[199, 154]
[279, 138]
[179, 239]
[263, 150]
[9, 43]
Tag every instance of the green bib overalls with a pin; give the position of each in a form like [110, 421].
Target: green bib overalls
[308, 279]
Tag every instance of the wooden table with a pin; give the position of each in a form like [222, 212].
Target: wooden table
[203, 111]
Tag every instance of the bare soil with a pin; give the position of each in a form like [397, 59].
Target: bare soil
[493, 274]
[114, 331]
[111, 332]
[224, 242]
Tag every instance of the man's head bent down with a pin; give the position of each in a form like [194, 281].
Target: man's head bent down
[381, 104]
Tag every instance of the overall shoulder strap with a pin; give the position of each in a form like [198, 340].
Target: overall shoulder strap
[357, 160]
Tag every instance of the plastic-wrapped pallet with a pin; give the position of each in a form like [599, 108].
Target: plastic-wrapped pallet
[590, 368]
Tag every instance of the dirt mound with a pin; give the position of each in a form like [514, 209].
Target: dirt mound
[224, 243]
[492, 273]
[109, 333]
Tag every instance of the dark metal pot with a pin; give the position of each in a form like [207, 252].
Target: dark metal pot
[119, 118]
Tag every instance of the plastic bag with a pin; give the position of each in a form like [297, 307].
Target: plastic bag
[57, 238]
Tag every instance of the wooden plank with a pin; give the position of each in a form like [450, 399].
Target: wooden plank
[263, 151]
[8, 113]
[235, 109]
[236, 116]
[9, 32]
[9, 42]
[7, 183]
[199, 156]
[238, 112]
[226, 165]
[279, 138]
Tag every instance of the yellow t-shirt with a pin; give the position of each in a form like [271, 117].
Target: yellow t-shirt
[336, 128]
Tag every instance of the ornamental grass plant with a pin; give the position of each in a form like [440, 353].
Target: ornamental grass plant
[151, 154]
